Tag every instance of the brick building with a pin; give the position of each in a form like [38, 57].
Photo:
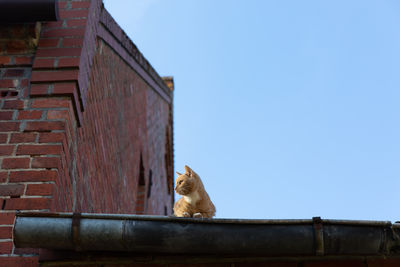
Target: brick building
[86, 155]
[85, 121]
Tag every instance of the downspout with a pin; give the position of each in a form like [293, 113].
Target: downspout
[155, 234]
[20, 11]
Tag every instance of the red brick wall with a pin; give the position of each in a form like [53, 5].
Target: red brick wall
[124, 120]
[19, 189]
[79, 107]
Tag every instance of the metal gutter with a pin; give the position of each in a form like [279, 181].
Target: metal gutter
[171, 235]
[28, 10]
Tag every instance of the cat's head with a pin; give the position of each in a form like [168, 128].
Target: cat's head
[187, 182]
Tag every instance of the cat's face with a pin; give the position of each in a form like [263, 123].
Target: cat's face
[184, 184]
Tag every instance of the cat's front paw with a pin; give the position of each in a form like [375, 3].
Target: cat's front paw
[197, 215]
[186, 214]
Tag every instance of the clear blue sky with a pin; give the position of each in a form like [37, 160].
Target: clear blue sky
[286, 109]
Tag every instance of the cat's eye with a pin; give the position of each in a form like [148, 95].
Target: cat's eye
[180, 181]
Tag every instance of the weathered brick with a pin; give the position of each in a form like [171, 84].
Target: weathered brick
[39, 126]
[56, 75]
[51, 137]
[62, 4]
[27, 203]
[32, 176]
[14, 104]
[29, 114]
[85, 4]
[50, 103]
[8, 83]
[6, 247]
[14, 73]
[64, 14]
[38, 150]
[45, 162]
[64, 88]
[6, 150]
[3, 176]
[72, 42]
[15, 163]
[3, 138]
[24, 82]
[58, 52]
[5, 60]
[12, 190]
[7, 218]
[43, 63]
[39, 89]
[22, 138]
[68, 62]
[6, 115]
[57, 114]
[76, 22]
[54, 24]
[9, 126]
[46, 42]
[39, 189]
[64, 32]
[23, 60]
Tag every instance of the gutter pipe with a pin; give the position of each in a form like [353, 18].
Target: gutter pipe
[20, 11]
[171, 235]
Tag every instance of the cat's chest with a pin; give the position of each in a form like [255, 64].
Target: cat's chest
[192, 198]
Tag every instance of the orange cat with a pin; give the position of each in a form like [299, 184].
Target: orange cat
[195, 201]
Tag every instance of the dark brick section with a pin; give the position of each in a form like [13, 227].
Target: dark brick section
[14, 73]
[11, 190]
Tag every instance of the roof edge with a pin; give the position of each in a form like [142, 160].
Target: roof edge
[126, 48]
[169, 235]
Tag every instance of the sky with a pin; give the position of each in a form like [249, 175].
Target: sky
[286, 109]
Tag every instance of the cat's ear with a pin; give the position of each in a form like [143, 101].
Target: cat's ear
[179, 173]
[188, 171]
